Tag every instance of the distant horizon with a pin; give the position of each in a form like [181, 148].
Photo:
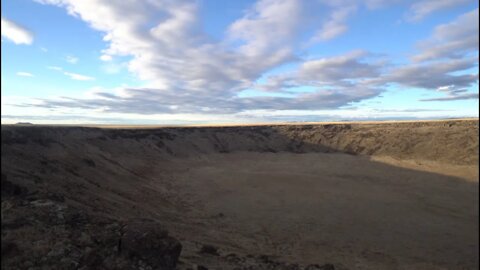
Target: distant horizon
[333, 121]
[190, 62]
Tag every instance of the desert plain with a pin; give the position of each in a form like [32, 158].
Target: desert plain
[373, 195]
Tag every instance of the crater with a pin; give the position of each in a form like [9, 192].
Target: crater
[386, 195]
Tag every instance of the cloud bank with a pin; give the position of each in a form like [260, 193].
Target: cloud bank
[188, 71]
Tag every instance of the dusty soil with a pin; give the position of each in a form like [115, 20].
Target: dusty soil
[336, 196]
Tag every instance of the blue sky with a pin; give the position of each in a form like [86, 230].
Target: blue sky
[209, 61]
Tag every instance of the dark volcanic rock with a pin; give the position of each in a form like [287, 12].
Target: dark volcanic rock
[323, 267]
[148, 242]
[9, 249]
[209, 249]
[89, 162]
[10, 189]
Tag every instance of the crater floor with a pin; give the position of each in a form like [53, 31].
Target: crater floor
[348, 210]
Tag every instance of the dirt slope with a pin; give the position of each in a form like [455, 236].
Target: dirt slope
[358, 196]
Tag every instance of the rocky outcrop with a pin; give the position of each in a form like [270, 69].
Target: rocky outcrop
[48, 234]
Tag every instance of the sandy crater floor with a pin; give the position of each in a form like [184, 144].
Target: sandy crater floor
[348, 210]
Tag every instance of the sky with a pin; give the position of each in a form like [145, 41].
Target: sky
[245, 61]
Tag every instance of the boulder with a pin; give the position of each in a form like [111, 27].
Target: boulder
[147, 242]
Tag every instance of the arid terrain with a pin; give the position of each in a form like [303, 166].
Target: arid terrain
[393, 195]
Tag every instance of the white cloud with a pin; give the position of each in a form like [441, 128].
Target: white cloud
[340, 72]
[421, 9]
[113, 67]
[172, 53]
[454, 93]
[454, 97]
[336, 23]
[339, 12]
[16, 33]
[78, 77]
[269, 25]
[106, 57]
[73, 76]
[332, 77]
[332, 69]
[451, 40]
[432, 75]
[24, 74]
[444, 61]
[71, 59]
[55, 68]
